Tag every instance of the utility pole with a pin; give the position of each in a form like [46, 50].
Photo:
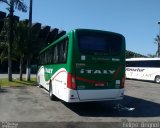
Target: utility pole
[29, 41]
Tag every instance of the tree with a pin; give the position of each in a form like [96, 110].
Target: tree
[18, 4]
[3, 41]
[20, 43]
[4, 38]
[3, 54]
[157, 41]
[152, 55]
[23, 49]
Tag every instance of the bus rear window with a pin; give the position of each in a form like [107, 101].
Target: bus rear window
[103, 44]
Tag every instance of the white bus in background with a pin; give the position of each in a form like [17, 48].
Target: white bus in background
[143, 69]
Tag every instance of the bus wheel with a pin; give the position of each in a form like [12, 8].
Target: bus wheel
[38, 81]
[40, 86]
[51, 96]
[157, 79]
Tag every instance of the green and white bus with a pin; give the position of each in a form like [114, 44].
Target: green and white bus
[84, 65]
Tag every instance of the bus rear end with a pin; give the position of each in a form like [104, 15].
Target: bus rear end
[98, 70]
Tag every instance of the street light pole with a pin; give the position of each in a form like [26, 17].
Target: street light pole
[28, 72]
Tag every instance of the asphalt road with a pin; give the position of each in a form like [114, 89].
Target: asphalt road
[31, 104]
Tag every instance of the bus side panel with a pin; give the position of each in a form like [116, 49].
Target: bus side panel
[41, 77]
[59, 79]
[142, 73]
[150, 73]
[59, 86]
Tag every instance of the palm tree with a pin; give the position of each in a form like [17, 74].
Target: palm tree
[3, 53]
[22, 49]
[18, 4]
[157, 41]
[3, 41]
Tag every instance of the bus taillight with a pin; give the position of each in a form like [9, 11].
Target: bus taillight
[122, 81]
[71, 82]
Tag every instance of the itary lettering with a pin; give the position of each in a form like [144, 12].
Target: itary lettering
[89, 71]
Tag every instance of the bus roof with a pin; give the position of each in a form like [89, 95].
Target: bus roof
[78, 29]
[141, 59]
[97, 30]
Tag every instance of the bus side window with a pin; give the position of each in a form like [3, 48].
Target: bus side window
[65, 50]
[127, 63]
[42, 58]
[62, 51]
[45, 58]
[55, 54]
[52, 55]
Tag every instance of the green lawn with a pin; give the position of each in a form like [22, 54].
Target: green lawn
[16, 82]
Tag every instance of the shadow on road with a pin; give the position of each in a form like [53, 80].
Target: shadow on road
[3, 90]
[129, 107]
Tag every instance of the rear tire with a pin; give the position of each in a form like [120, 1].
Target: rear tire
[40, 86]
[38, 81]
[157, 79]
[51, 96]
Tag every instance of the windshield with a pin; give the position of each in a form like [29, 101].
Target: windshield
[97, 43]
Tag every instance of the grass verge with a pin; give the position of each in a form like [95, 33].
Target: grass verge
[16, 82]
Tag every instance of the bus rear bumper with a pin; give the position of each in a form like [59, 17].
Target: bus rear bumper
[97, 95]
